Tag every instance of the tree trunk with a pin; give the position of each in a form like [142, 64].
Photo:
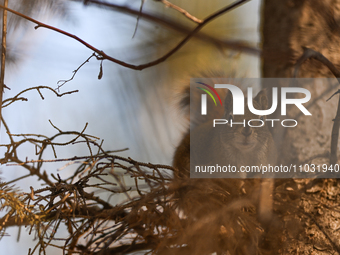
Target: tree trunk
[287, 27]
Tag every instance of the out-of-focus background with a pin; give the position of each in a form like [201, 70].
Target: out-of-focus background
[127, 108]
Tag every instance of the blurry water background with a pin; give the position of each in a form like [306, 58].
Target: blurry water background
[127, 108]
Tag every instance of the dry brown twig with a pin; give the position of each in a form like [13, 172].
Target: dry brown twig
[11, 100]
[181, 10]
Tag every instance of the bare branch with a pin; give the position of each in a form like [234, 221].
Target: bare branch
[104, 56]
[311, 54]
[11, 100]
[174, 25]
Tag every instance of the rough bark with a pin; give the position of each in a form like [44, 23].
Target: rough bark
[287, 27]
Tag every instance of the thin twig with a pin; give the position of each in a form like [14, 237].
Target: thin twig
[54, 126]
[181, 10]
[74, 72]
[138, 17]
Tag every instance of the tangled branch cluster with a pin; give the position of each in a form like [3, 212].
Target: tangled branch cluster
[116, 205]
[75, 201]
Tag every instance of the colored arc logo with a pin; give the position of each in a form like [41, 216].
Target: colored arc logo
[209, 93]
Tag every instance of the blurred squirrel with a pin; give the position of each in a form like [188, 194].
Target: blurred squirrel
[235, 145]
[224, 144]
